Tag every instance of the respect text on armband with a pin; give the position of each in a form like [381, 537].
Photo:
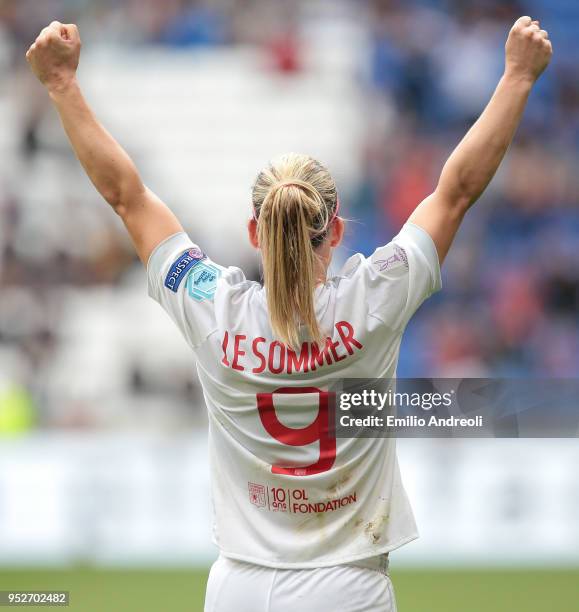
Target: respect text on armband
[178, 271]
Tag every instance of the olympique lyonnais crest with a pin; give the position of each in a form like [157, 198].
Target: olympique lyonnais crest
[256, 494]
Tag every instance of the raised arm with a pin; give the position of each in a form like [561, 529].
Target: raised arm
[54, 58]
[475, 161]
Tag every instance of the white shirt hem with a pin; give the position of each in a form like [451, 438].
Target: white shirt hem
[368, 554]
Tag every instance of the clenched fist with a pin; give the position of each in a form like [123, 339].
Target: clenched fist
[528, 50]
[55, 54]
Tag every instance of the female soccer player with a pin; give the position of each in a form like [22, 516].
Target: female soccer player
[303, 521]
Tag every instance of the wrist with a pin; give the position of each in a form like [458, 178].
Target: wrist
[519, 80]
[61, 87]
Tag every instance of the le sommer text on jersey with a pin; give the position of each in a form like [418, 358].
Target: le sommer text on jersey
[243, 353]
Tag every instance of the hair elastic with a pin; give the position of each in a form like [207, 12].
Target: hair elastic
[332, 218]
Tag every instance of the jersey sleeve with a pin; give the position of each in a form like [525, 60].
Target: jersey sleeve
[401, 275]
[183, 280]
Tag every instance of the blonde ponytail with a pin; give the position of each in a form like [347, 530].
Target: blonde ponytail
[294, 201]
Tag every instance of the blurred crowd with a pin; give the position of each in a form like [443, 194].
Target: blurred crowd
[511, 284]
[510, 305]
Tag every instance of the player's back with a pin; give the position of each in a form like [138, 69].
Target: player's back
[286, 492]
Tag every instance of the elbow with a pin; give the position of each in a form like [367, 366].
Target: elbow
[458, 199]
[120, 196]
[113, 198]
[118, 204]
[460, 189]
[464, 200]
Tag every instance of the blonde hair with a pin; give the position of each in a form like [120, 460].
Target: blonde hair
[294, 202]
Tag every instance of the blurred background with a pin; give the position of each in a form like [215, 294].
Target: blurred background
[103, 474]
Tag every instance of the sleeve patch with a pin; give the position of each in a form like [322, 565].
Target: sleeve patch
[202, 282]
[396, 259]
[178, 271]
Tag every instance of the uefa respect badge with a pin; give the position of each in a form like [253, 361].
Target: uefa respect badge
[178, 271]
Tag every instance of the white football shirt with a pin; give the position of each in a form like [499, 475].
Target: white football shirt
[285, 492]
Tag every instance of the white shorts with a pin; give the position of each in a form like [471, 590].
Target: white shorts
[235, 586]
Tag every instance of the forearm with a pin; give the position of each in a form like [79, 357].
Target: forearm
[106, 163]
[475, 161]
[54, 58]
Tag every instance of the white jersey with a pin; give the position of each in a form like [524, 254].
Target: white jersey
[286, 493]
